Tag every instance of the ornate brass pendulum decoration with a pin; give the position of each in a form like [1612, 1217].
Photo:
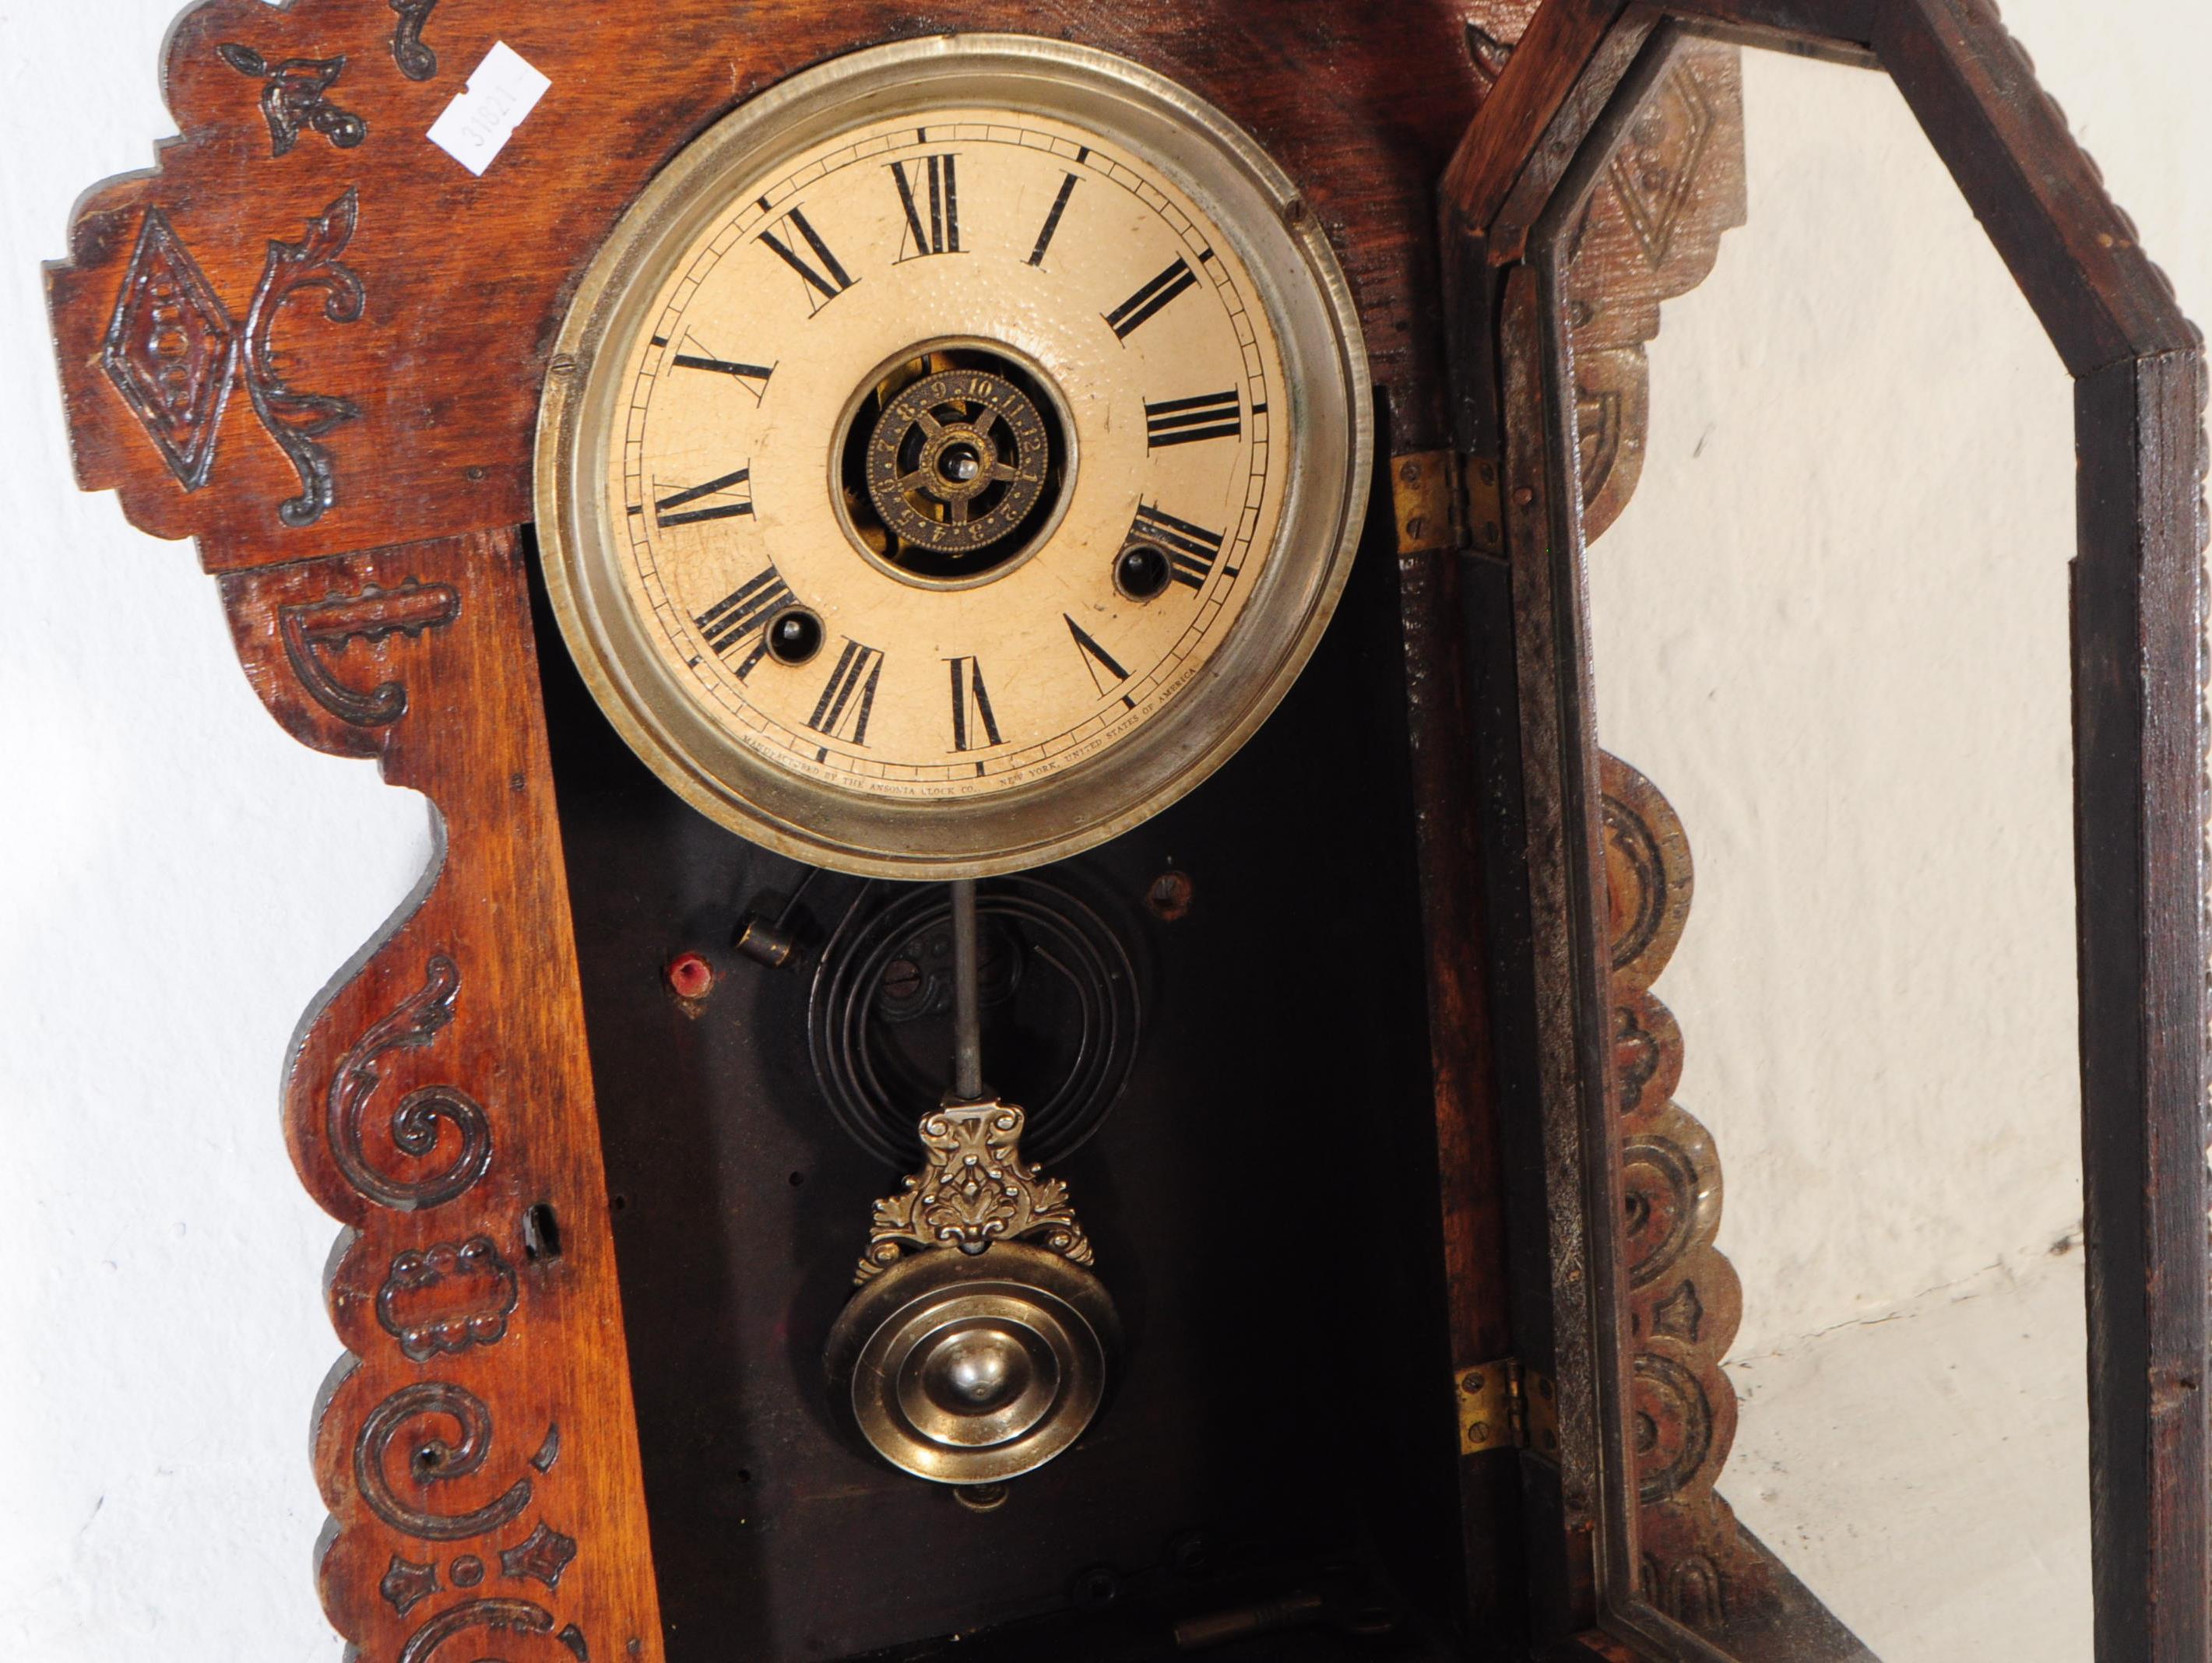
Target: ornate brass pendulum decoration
[974, 1189]
[978, 1344]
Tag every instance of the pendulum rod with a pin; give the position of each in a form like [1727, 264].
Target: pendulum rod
[967, 996]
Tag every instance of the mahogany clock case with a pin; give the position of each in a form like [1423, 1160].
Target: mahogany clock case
[1345, 1139]
[352, 334]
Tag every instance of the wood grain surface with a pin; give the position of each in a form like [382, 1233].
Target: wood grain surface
[435, 337]
[476, 1449]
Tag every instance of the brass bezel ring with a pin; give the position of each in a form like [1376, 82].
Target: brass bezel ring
[1324, 419]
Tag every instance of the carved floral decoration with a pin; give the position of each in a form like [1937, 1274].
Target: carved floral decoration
[295, 96]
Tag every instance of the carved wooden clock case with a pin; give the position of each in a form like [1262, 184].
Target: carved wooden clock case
[1341, 1056]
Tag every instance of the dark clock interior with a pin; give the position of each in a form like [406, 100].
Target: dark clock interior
[1220, 1024]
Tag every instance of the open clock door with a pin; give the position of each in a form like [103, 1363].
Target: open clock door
[1884, 958]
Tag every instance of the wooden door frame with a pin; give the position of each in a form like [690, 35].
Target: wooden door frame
[2137, 600]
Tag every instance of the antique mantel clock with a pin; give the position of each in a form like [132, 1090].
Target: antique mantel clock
[1033, 1032]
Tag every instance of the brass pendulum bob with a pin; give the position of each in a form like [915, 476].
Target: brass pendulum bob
[977, 1344]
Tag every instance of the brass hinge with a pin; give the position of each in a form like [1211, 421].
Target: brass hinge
[1506, 1405]
[1445, 500]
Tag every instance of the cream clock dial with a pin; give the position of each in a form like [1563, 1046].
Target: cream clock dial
[953, 457]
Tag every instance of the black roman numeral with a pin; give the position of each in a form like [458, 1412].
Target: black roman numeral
[842, 710]
[933, 178]
[1191, 550]
[1096, 659]
[753, 378]
[725, 486]
[1187, 420]
[1052, 221]
[1125, 318]
[740, 618]
[969, 695]
[829, 283]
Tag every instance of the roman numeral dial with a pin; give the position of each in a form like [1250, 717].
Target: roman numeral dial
[940, 467]
[1052, 215]
[1194, 419]
[975, 725]
[1105, 670]
[1151, 299]
[849, 697]
[1191, 550]
[929, 191]
[736, 626]
[694, 354]
[794, 240]
[725, 498]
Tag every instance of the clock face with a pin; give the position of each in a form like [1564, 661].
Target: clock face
[962, 448]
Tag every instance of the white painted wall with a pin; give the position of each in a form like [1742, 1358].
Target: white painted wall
[181, 877]
[1831, 626]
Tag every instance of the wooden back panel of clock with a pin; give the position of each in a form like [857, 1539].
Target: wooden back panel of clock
[1255, 1194]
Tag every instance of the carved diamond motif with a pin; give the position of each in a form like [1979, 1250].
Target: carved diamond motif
[1655, 172]
[544, 1555]
[407, 1584]
[171, 350]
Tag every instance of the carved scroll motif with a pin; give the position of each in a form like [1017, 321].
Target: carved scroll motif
[173, 351]
[311, 628]
[974, 1189]
[418, 1122]
[1649, 232]
[295, 420]
[417, 61]
[1685, 1301]
[431, 1459]
[1492, 29]
[441, 1449]
[509, 1616]
[294, 95]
